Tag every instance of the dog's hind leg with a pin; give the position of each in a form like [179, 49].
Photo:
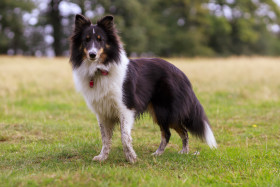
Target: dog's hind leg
[183, 133]
[106, 134]
[160, 116]
[165, 136]
[127, 120]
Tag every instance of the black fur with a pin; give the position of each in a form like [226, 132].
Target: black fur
[160, 84]
[77, 53]
[113, 40]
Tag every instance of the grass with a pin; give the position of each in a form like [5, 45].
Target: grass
[48, 137]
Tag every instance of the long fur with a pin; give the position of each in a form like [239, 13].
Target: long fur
[131, 88]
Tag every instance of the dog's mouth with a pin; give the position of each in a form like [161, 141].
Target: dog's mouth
[103, 71]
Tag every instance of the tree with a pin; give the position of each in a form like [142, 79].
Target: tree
[54, 19]
[185, 23]
[12, 26]
[149, 27]
[241, 26]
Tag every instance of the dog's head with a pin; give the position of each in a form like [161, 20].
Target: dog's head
[97, 43]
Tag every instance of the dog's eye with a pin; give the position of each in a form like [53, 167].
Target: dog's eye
[99, 38]
[87, 39]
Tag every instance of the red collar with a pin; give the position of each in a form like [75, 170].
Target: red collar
[103, 72]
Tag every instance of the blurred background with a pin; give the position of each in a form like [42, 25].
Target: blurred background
[165, 28]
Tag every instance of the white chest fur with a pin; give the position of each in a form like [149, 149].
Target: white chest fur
[105, 97]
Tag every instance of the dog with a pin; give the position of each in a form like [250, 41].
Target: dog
[118, 89]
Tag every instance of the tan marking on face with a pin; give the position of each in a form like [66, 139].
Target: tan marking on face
[101, 50]
[87, 37]
[85, 50]
[98, 37]
[101, 55]
[85, 54]
[107, 46]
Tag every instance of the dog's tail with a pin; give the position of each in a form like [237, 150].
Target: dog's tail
[198, 125]
[209, 136]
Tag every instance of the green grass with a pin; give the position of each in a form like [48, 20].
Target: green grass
[48, 137]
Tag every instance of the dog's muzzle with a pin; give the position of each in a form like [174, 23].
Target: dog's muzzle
[92, 55]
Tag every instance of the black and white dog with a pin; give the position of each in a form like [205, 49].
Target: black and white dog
[118, 89]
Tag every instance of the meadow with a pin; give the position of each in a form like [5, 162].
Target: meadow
[48, 136]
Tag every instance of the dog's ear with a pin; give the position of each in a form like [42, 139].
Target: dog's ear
[106, 22]
[81, 21]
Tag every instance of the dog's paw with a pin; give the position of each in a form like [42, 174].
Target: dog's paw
[99, 158]
[131, 157]
[157, 153]
[184, 151]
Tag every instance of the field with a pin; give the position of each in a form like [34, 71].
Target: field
[48, 137]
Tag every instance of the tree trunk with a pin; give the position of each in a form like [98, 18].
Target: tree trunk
[55, 21]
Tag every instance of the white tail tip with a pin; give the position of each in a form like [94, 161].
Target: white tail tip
[209, 137]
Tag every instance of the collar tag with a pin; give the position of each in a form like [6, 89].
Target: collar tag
[91, 83]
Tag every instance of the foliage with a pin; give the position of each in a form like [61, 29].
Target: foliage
[11, 26]
[150, 27]
[48, 136]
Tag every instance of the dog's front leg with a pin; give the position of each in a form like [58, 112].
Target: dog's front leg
[127, 121]
[106, 133]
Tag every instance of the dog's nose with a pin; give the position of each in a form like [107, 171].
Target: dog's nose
[92, 55]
